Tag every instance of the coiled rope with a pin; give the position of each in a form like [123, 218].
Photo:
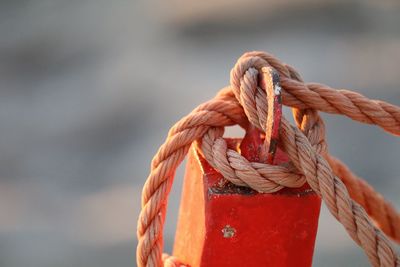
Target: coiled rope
[364, 213]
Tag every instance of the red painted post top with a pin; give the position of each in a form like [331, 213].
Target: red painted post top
[221, 224]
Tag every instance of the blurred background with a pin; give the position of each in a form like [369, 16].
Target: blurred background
[89, 89]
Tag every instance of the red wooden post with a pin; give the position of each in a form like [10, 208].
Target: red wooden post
[221, 224]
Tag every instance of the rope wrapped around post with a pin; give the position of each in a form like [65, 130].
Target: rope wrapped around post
[245, 102]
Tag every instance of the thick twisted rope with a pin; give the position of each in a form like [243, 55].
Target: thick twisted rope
[319, 96]
[237, 169]
[225, 110]
[383, 212]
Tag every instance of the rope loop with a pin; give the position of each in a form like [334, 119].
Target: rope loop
[262, 177]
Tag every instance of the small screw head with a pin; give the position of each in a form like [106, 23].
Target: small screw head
[228, 231]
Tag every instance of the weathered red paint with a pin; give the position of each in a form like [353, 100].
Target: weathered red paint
[221, 224]
[252, 146]
[268, 79]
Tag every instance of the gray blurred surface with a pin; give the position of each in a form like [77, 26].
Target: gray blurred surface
[88, 90]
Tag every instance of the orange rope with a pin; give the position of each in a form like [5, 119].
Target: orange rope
[348, 198]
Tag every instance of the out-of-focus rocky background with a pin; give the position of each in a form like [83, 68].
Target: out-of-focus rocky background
[88, 90]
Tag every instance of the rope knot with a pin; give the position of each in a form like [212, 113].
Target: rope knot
[255, 85]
